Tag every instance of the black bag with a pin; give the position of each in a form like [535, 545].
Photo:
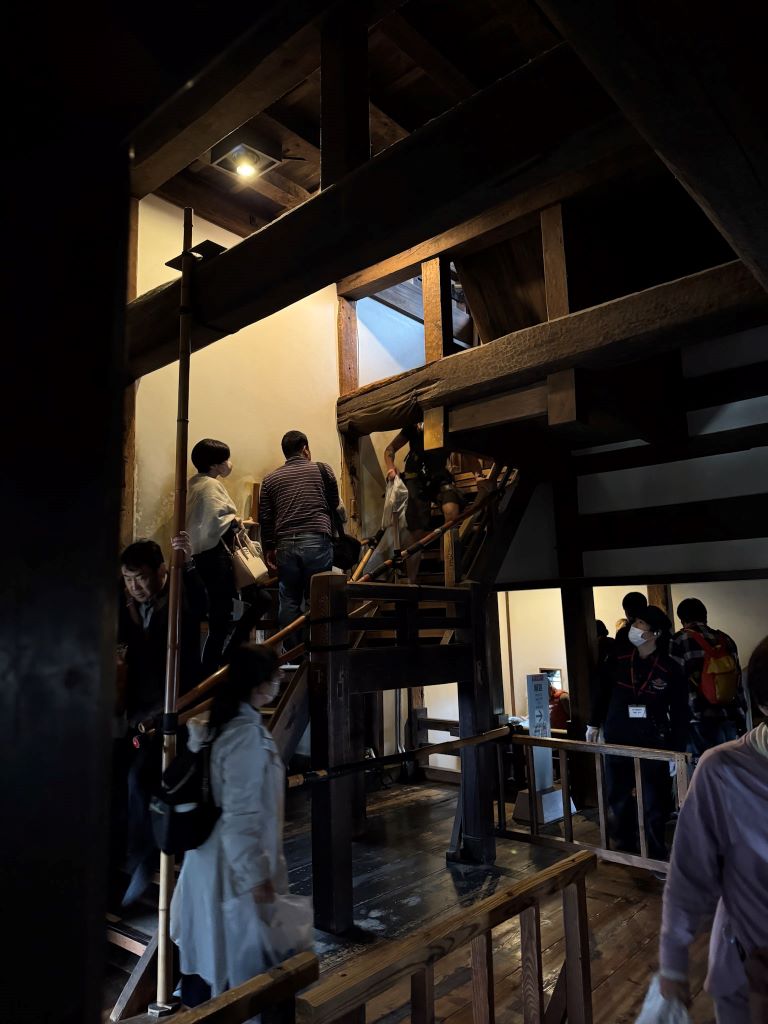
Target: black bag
[182, 810]
[346, 549]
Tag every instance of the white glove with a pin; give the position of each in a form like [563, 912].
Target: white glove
[673, 769]
[592, 733]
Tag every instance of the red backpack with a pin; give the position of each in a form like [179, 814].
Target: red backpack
[719, 683]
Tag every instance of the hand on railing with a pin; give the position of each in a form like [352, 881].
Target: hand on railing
[593, 734]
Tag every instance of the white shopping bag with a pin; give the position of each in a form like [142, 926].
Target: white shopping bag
[658, 1010]
[395, 500]
[287, 927]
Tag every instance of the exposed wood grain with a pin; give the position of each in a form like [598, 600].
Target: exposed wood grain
[423, 996]
[664, 317]
[507, 218]
[553, 252]
[533, 982]
[660, 595]
[411, 191]
[384, 130]
[348, 346]
[577, 966]
[141, 985]
[374, 972]
[639, 797]
[566, 791]
[481, 962]
[221, 209]
[438, 310]
[523, 404]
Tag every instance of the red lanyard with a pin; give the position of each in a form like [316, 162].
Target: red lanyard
[644, 687]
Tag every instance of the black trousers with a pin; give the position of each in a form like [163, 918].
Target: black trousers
[215, 568]
[622, 804]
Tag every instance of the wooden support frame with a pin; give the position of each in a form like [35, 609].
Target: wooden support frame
[395, 201]
[438, 310]
[662, 318]
[347, 336]
[553, 249]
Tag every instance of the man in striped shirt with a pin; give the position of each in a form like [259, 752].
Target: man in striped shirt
[296, 533]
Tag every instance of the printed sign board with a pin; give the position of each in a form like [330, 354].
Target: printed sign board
[538, 725]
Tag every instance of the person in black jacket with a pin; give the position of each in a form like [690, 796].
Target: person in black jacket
[641, 701]
[143, 637]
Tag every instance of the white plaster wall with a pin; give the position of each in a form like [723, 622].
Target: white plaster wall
[248, 389]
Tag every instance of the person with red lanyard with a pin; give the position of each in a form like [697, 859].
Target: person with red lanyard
[641, 701]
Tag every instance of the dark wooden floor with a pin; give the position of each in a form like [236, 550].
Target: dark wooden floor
[402, 883]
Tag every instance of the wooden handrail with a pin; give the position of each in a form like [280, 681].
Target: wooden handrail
[237, 1005]
[613, 749]
[369, 975]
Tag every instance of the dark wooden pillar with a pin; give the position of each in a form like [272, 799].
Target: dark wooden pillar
[660, 594]
[478, 764]
[128, 494]
[347, 346]
[65, 287]
[345, 141]
[329, 709]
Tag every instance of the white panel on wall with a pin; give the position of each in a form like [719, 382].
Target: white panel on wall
[748, 413]
[710, 556]
[538, 641]
[716, 476]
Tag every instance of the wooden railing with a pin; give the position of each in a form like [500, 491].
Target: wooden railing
[598, 751]
[272, 994]
[342, 995]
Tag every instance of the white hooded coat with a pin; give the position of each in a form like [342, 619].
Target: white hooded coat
[214, 919]
[210, 510]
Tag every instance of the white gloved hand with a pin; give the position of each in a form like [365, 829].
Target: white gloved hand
[592, 733]
[673, 769]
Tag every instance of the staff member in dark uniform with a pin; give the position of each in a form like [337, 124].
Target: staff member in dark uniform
[641, 701]
[427, 479]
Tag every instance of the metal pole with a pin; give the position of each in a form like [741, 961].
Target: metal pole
[165, 1004]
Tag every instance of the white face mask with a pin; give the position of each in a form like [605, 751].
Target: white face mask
[636, 636]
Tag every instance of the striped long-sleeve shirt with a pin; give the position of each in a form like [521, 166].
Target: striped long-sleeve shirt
[294, 500]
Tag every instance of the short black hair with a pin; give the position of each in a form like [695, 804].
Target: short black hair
[250, 665]
[634, 603]
[207, 453]
[142, 553]
[600, 626]
[757, 674]
[692, 610]
[293, 442]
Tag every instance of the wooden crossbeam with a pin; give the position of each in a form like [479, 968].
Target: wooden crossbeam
[391, 668]
[691, 80]
[217, 207]
[664, 317]
[409, 192]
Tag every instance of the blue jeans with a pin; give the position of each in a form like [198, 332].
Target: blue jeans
[299, 557]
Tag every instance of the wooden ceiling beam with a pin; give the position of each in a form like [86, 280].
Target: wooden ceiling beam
[277, 188]
[661, 318]
[692, 81]
[607, 156]
[218, 208]
[426, 55]
[278, 53]
[411, 191]
[345, 136]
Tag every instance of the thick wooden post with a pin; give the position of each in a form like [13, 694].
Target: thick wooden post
[660, 594]
[438, 311]
[553, 252]
[331, 745]
[532, 976]
[483, 996]
[578, 973]
[344, 117]
[478, 764]
[347, 346]
[60, 517]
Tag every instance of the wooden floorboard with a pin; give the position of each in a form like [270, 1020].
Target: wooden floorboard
[402, 883]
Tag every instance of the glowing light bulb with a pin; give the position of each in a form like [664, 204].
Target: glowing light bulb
[245, 169]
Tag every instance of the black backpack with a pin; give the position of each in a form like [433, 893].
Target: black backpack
[182, 809]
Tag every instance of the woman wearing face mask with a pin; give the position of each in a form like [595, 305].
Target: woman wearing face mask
[641, 701]
[211, 524]
[215, 918]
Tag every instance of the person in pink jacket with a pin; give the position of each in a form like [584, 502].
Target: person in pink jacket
[719, 868]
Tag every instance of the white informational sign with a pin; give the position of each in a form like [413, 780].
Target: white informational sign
[538, 725]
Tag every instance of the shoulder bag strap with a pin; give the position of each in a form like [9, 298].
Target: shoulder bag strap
[337, 527]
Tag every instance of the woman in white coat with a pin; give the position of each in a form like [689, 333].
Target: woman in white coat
[215, 913]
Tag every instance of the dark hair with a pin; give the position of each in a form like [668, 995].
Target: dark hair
[141, 553]
[293, 442]
[659, 623]
[600, 626]
[757, 674]
[692, 610]
[207, 453]
[249, 666]
[634, 603]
